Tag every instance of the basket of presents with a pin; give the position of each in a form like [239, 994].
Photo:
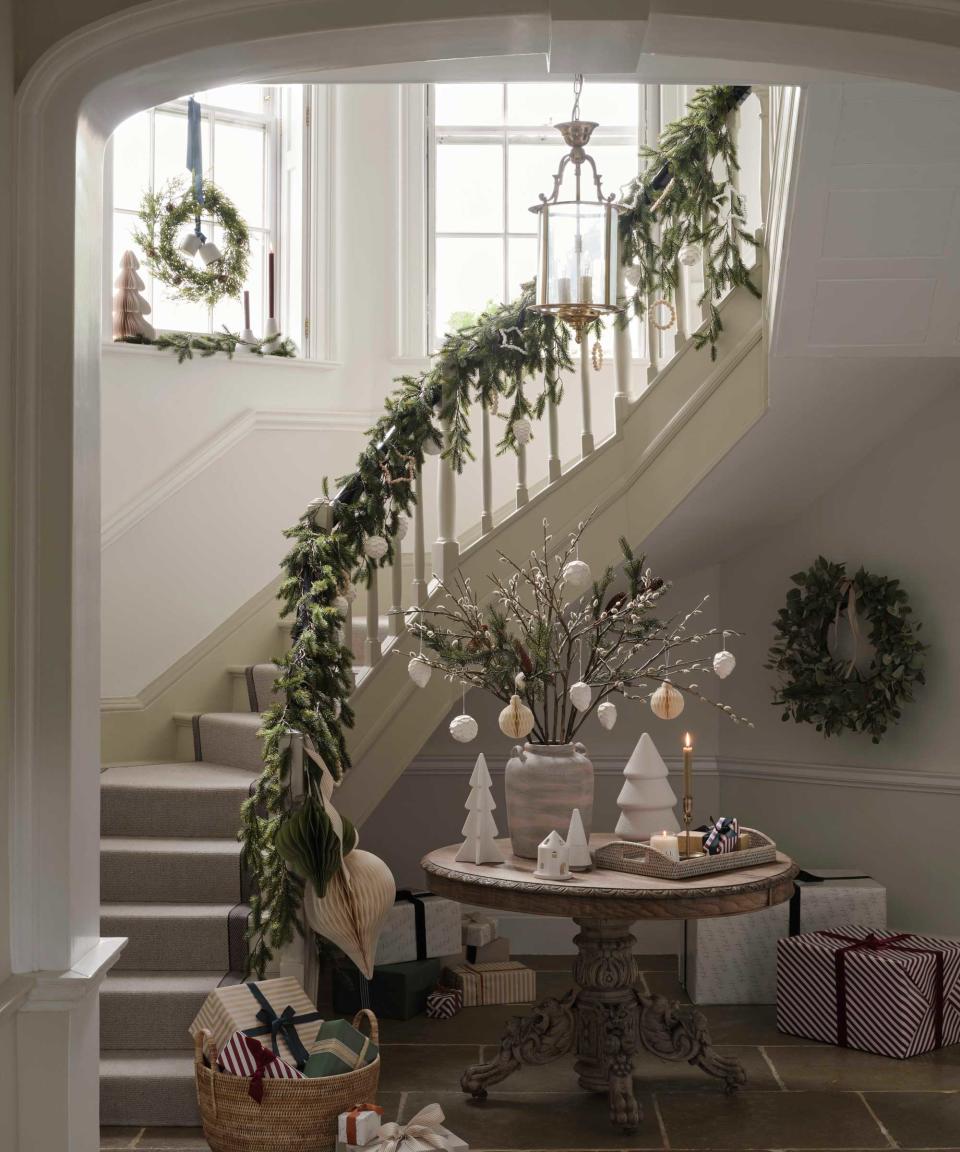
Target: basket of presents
[272, 1073]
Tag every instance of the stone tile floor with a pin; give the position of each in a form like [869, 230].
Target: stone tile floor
[799, 1095]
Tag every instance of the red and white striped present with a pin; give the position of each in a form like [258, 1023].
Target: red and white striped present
[891, 994]
[242, 1055]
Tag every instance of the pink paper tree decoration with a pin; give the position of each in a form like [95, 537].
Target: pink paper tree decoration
[129, 307]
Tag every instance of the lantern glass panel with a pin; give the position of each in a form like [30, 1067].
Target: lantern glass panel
[578, 254]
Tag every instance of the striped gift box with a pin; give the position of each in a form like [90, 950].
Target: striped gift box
[236, 1008]
[244, 1056]
[503, 982]
[892, 994]
[442, 1003]
[339, 1048]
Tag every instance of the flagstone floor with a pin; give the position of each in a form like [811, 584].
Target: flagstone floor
[799, 1095]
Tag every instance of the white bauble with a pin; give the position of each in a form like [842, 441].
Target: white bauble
[607, 714]
[375, 547]
[632, 274]
[403, 526]
[464, 729]
[689, 255]
[667, 702]
[576, 576]
[342, 605]
[419, 671]
[522, 430]
[724, 663]
[580, 696]
[516, 720]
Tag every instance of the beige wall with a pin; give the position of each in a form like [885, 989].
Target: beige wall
[895, 513]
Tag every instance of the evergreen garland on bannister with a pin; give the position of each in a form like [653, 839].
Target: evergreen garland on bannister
[493, 359]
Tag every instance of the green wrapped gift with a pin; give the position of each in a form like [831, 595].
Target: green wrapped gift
[338, 1048]
[397, 991]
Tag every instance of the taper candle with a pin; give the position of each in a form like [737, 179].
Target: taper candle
[687, 765]
[271, 270]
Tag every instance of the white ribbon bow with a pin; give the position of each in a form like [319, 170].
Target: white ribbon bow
[418, 1133]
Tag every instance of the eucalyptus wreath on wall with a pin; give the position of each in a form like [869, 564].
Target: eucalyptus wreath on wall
[493, 362]
[820, 687]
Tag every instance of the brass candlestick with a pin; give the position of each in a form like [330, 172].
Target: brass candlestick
[687, 821]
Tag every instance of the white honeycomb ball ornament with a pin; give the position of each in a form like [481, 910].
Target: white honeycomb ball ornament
[375, 547]
[576, 576]
[724, 663]
[607, 714]
[419, 671]
[667, 702]
[689, 255]
[580, 696]
[523, 430]
[516, 720]
[464, 729]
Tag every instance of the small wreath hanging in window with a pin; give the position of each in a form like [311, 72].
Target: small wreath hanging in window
[864, 688]
[169, 256]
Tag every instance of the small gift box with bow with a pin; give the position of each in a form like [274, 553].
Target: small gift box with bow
[421, 1133]
[419, 926]
[891, 994]
[244, 1056]
[509, 982]
[442, 1003]
[359, 1126]
[277, 1012]
[339, 1048]
[721, 835]
[478, 929]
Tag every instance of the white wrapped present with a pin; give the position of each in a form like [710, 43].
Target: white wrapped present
[421, 1133]
[359, 1126]
[479, 929]
[733, 959]
[419, 926]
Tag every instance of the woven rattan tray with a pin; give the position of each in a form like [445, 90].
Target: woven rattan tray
[642, 860]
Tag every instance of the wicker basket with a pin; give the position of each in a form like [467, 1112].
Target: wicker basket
[642, 860]
[294, 1115]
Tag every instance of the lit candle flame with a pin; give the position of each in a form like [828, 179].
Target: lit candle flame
[687, 741]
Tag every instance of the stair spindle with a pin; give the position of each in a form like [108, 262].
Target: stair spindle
[523, 495]
[419, 544]
[622, 355]
[680, 301]
[553, 427]
[446, 550]
[586, 413]
[396, 590]
[486, 473]
[371, 645]
[347, 634]
[651, 130]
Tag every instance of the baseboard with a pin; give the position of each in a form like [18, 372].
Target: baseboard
[553, 935]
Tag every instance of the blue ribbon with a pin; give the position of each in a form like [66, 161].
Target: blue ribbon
[195, 154]
[284, 1024]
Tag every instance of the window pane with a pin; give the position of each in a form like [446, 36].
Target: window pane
[131, 161]
[469, 275]
[540, 105]
[531, 169]
[178, 314]
[611, 105]
[617, 164]
[468, 104]
[170, 133]
[239, 97]
[229, 312]
[469, 188]
[238, 169]
[521, 262]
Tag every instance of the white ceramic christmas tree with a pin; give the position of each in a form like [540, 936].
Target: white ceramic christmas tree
[646, 801]
[578, 849]
[480, 846]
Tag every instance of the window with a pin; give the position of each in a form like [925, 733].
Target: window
[492, 152]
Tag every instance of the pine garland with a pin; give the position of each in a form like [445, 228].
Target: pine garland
[495, 358]
[184, 344]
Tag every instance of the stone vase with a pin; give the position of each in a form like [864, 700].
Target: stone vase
[544, 783]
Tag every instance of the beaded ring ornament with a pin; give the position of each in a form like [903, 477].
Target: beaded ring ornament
[663, 325]
[596, 356]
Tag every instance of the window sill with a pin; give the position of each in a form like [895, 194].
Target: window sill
[108, 348]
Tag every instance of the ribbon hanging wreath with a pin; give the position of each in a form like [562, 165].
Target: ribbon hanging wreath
[816, 685]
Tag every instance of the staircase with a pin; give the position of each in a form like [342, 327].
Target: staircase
[170, 863]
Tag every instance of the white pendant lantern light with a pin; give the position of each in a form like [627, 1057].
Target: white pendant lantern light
[577, 257]
[580, 696]
[464, 728]
[419, 671]
[375, 547]
[667, 702]
[576, 577]
[607, 714]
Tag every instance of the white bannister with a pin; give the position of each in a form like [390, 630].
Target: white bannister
[446, 550]
[523, 494]
[371, 645]
[396, 590]
[419, 544]
[553, 424]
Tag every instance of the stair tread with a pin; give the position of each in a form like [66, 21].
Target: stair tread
[136, 982]
[200, 775]
[143, 1062]
[174, 845]
[163, 909]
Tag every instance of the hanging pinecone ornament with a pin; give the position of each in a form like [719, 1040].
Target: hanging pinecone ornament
[419, 671]
[375, 547]
[522, 430]
[667, 702]
[580, 696]
[576, 577]
[607, 714]
[463, 728]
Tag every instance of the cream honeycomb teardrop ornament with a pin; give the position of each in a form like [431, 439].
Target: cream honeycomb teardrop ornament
[580, 696]
[463, 728]
[419, 671]
[355, 905]
[516, 720]
[724, 663]
[607, 714]
[667, 702]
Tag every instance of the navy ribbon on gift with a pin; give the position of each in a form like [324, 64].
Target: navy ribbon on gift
[195, 155]
[874, 943]
[419, 918]
[281, 1024]
[803, 877]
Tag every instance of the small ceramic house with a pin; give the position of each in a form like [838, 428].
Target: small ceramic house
[553, 858]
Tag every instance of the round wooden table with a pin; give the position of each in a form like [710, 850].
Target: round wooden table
[605, 1019]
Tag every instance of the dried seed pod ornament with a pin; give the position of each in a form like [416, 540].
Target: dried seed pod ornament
[522, 430]
[667, 702]
[419, 671]
[580, 696]
[724, 662]
[607, 714]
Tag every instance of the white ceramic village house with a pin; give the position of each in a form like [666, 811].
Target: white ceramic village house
[553, 858]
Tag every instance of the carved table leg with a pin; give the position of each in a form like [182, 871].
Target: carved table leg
[545, 1035]
[607, 1018]
[679, 1032]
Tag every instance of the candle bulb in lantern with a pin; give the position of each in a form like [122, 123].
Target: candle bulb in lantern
[271, 279]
